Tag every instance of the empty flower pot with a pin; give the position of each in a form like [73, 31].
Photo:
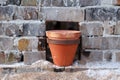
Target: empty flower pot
[63, 45]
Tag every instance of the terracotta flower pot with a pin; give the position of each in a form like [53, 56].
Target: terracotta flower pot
[63, 45]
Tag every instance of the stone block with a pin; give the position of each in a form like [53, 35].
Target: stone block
[89, 2]
[31, 57]
[35, 28]
[2, 32]
[45, 3]
[26, 43]
[12, 28]
[26, 13]
[71, 3]
[57, 3]
[63, 14]
[29, 2]
[117, 28]
[91, 42]
[91, 28]
[111, 43]
[109, 28]
[117, 56]
[6, 12]
[101, 14]
[2, 57]
[107, 55]
[93, 55]
[13, 2]
[6, 43]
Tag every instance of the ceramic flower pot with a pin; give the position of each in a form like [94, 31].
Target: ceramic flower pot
[63, 45]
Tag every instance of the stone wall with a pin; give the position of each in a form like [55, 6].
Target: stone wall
[22, 28]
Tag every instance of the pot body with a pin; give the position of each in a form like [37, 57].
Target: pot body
[63, 45]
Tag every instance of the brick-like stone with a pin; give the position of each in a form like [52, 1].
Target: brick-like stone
[91, 42]
[117, 55]
[34, 29]
[63, 14]
[111, 43]
[13, 2]
[29, 2]
[117, 28]
[2, 32]
[45, 3]
[71, 3]
[93, 55]
[109, 28]
[91, 28]
[12, 28]
[26, 13]
[107, 2]
[26, 43]
[6, 12]
[6, 43]
[30, 57]
[57, 3]
[101, 14]
[107, 55]
[2, 58]
[89, 2]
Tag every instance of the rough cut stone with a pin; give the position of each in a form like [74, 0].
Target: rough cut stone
[91, 42]
[57, 3]
[71, 3]
[26, 13]
[107, 55]
[6, 12]
[29, 2]
[14, 2]
[63, 14]
[6, 43]
[93, 55]
[34, 29]
[45, 3]
[111, 43]
[26, 43]
[117, 28]
[2, 58]
[101, 14]
[109, 28]
[30, 57]
[117, 55]
[91, 28]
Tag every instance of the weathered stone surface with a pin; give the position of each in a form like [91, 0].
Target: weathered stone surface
[26, 43]
[63, 14]
[34, 29]
[57, 3]
[107, 2]
[107, 55]
[41, 44]
[26, 13]
[6, 43]
[101, 13]
[45, 3]
[71, 3]
[110, 43]
[116, 2]
[93, 55]
[109, 28]
[13, 2]
[117, 55]
[12, 29]
[6, 12]
[91, 28]
[91, 42]
[89, 2]
[2, 58]
[117, 28]
[2, 32]
[29, 2]
[31, 57]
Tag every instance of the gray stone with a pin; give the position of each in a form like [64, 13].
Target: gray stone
[6, 43]
[91, 28]
[107, 55]
[110, 43]
[57, 3]
[91, 42]
[26, 13]
[63, 14]
[13, 2]
[45, 3]
[117, 28]
[6, 12]
[31, 57]
[101, 14]
[71, 3]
